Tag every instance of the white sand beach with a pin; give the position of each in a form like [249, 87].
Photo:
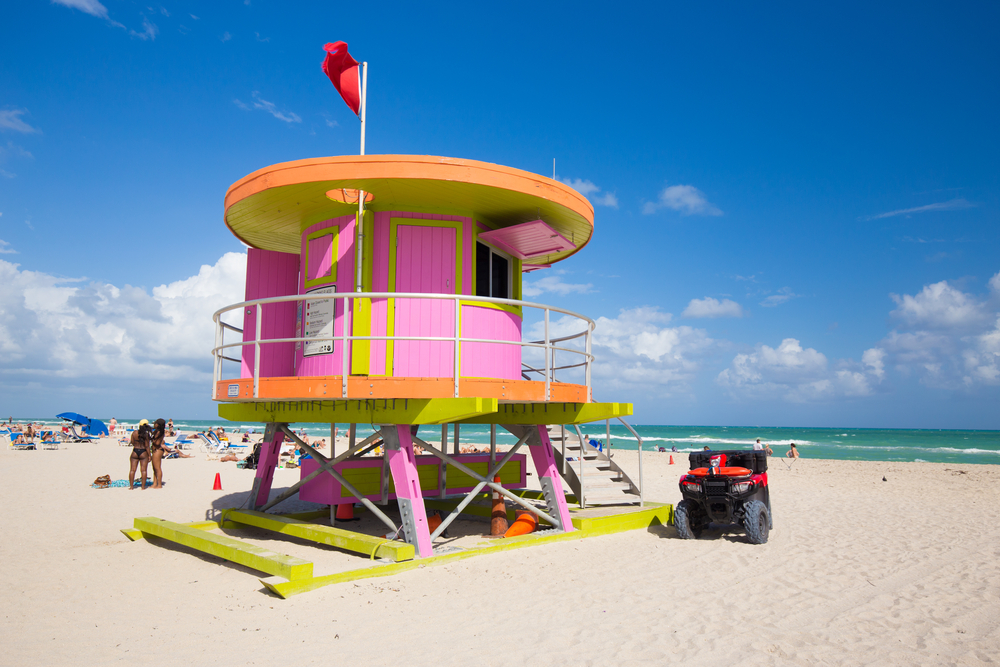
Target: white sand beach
[858, 571]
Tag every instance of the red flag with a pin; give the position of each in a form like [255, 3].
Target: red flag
[343, 72]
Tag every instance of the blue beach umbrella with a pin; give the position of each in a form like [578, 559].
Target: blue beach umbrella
[94, 427]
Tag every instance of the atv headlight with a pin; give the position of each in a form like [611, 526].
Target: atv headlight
[742, 487]
[692, 486]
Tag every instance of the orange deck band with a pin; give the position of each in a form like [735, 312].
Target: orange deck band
[361, 387]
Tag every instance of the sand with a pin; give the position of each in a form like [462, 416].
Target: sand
[857, 571]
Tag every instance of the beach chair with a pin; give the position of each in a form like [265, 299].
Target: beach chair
[27, 444]
[209, 443]
[50, 444]
[76, 436]
[182, 442]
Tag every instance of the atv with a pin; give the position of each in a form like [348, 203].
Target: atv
[725, 487]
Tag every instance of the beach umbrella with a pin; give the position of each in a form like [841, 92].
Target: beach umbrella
[89, 426]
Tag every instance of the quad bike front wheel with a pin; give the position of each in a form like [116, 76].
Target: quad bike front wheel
[756, 522]
[688, 527]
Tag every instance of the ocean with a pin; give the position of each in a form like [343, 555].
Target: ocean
[940, 446]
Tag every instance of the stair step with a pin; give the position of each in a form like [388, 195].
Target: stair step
[605, 485]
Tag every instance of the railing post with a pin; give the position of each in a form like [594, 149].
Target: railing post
[344, 370]
[217, 365]
[458, 315]
[590, 391]
[548, 387]
[258, 326]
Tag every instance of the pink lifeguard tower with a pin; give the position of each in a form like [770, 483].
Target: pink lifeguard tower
[408, 315]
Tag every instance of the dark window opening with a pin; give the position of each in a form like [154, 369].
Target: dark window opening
[492, 273]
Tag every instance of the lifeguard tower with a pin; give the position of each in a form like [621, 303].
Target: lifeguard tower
[404, 311]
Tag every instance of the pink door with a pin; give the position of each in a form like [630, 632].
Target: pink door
[425, 262]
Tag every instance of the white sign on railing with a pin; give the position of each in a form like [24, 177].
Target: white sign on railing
[318, 323]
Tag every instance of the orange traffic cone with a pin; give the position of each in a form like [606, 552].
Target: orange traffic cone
[671, 459]
[525, 523]
[218, 482]
[345, 512]
[498, 517]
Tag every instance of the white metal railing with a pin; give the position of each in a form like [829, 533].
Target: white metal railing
[548, 346]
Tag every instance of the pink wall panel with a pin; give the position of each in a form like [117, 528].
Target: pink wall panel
[330, 364]
[270, 274]
[380, 283]
[425, 262]
[485, 359]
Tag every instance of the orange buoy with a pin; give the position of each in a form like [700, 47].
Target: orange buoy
[433, 521]
[345, 512]
[218, 482]
[525, 523]
[724, 472]
[498, 517]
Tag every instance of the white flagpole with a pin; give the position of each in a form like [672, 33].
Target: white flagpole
[361, 193]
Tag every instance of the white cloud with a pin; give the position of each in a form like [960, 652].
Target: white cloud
[950, 205]
[784, 294]
[149, 31]
[92, 7]
[225, 37]
[686, 199]
[795, 373]
[637, 350]
[709, 307]
[10, 119]
[262, 39]
[5, 248]
[607, 199]
[53, 327]
[953, 341]
[590, 191]
[938, 306]
[874, 359]
[553, 284]
[272, 109]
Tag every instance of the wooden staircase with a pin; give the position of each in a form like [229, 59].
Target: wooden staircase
[602, 482]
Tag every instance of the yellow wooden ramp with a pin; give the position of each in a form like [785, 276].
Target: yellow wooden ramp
[334, 537]
[257, 558]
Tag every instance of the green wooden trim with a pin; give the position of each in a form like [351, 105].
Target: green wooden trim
[371, 411]
[133, 534]
[641, 518]
[253, 557]
[532, 414]
[390, 320]
[334, 537]
[361, 321]
[333, 230]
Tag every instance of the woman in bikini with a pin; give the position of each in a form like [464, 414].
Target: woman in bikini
[140, 453]
[157, 448]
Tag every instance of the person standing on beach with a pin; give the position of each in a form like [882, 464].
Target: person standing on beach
[793, 453]
[156, 448]
[140, 453]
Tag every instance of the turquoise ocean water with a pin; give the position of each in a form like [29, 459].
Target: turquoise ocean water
[942, 446]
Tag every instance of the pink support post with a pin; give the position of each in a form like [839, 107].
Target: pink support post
[403, 465]
[269, 450]
[545, 466]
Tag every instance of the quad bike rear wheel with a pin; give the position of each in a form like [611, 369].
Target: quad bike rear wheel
[686, 522]
[756, 521]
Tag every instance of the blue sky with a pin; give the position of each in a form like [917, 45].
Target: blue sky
[796, 206]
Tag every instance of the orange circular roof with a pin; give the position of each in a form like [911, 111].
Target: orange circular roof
[269, 208]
